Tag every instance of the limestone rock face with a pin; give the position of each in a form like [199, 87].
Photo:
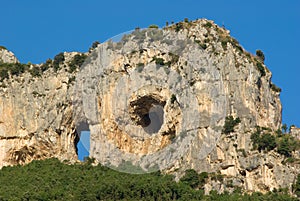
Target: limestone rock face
[156, 99]
[36, 118]
[7, 56]
[295, 132]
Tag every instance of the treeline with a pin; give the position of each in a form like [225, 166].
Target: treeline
[52, 180]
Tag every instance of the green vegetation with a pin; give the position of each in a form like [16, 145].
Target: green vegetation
[194, 180]
[58, 59]
[230, 123]
[202, 45]
[2, 47]
[140, 67]
[76, 62]
[286, 144]
[173, 99]
[3, 72]
[47, 65]
[260, 55]
[15, 69]
[53, 180]
[263, 141]
[7, 69]
[153, 26]
[35, 71]
[224, 39]
[94, 45]
[283, 144]
[208, 25]
[178, 26]
[261, 69]
[284, 127]
[174, 58]
[275, 88]
[161, 62]
[296, 186]
[158, 61]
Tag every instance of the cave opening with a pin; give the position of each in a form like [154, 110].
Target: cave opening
[148, 112]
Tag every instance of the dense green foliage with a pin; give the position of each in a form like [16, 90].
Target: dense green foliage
[53, 180]
[58, 59]
[45, 66]
[275, 88]
[284, 144]
[260, 55]
[158, 61]
[194, 180]
[261, 69]
[263, 141]
[35, 71]
[76, 62]
[230, 123]
[7, 69]
[173, 98]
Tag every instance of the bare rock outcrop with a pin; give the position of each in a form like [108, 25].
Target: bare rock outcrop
[36, 118]
[7, 56]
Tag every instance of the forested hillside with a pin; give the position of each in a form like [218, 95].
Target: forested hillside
[52, 180]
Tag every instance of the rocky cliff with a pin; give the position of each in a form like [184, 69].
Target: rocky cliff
[36, 114]
[155, 99]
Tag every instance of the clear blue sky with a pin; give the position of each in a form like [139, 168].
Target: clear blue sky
[83, 145]
[36, 30]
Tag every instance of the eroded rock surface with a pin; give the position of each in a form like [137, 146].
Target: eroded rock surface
[36, 118]
[7, 56]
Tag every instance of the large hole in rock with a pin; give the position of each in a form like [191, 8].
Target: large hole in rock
[148, 112]
[82, 142]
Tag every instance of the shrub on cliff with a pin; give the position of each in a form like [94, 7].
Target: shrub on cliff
[261, 69]
[230, 123]
[296, 186]
[283, 144]
[260, 55]
[77, 61]
[58, 59]
[263, 141]
[286, 144]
